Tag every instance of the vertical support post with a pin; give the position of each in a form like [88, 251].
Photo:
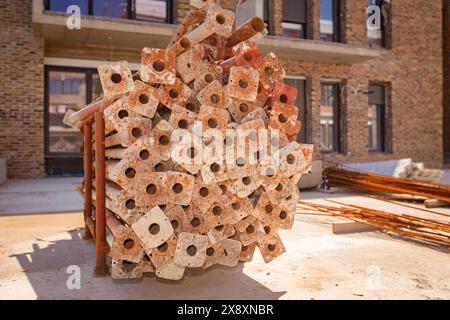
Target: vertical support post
[87, 164]
[100, 220]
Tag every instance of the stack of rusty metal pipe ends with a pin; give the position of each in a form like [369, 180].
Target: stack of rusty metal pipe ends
[195, 157]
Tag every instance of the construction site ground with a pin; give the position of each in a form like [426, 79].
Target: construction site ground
[37, 249]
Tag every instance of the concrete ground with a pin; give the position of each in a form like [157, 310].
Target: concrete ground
[36, 251]
[40, 195]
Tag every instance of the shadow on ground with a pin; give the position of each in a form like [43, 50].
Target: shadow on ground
[46, 269]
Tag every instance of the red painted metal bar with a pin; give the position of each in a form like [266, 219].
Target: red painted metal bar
[101, 246]
[87, 164]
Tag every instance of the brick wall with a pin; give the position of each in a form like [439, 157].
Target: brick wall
[21, 91]
[412, 68]
[446, 26]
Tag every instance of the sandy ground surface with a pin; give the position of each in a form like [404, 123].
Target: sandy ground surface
[36, 251]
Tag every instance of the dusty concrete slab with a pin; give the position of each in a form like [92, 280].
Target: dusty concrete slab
[40, 195]
[35, 252]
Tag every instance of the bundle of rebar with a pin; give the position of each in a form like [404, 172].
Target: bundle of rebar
[338, 177]
[429, 230]
[201, 162]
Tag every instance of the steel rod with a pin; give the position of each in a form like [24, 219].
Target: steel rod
[101, 268]
[416, 227]
[374, 182]
[87, 164]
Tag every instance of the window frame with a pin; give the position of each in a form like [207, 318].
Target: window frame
[302, 136]
[131, 14]
[305, 26]
[267, 17]
[385, 43]
[337, 21]
[337, 116]
[383, 135]
[88, 72]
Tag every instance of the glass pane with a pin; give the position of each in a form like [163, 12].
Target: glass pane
[62, 5]
[96, 87]
[327, 107]
[111, 8]
[294, 11]
[376, 94]
[266, 14]
[153, 10]
[376, 36]
[326, 20]
[373, 35]
[373, 124]
[293, 30]
[67, 90]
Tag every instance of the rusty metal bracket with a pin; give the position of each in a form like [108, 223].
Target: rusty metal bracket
[270, 70]
[217, 20]
[115, 78]
[191, 250]
[243, 83]
[158, 66]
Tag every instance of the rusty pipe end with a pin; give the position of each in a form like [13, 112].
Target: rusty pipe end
[257, 24]
[180, 46]
[185, 43]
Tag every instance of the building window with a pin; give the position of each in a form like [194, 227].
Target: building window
[378, 19]
[377, 118]
[294, 22]
[154, 10]
[148, 10]
[329, 117]
[266, 15]
[62, 5]
[300, 84]
[111, 8]
[66, 88]
[329, 20]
